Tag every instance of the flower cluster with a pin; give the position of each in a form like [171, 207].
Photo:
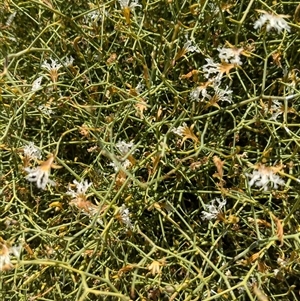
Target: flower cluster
[213, 210]
[127, 158]
[81, 189]
[218, 94]
[41, 174]
[80, 199]
[126, 164]
[140, 88]
[195, 94]
[213, 72]
[46, 110]
[180, 130]
[231, 55]
[124, 216]
[55, 65]
[212, 68]
[265, 177]
[93, 17]
[189, 47]
[124, 148]
[69, 61]
[273, 21]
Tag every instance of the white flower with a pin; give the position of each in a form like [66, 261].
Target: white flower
[81, 188]
[31, 151]
[123, 147]
[10, 19]
[69, 61]
[16, 250]
[45, 110]
[276, 109]
[228, 273]
[140, 88]
[273, 21]
[92, 17]
[52, 69]
[211, 68]
[241, 290]
[189, 47]
[276, 271]
[41, 174]
[244, 155]
[125, 4]
[54, 66]
[213, 7]
[180, 130]
[252, 282]
[201, 89]
[37, 84]
[195, 93]
[219, 94]
[124, 216]
[212, 210]
[265, 177]
[231, 55]
[125, 164]
[5, 252]
[114, 166]
[223, 95]
[81, 202]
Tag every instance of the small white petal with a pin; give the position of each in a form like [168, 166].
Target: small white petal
[37, 84]
[69, 61]
[179, 130]
[10, 18]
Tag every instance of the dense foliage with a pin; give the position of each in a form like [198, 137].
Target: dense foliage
[149, 150]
